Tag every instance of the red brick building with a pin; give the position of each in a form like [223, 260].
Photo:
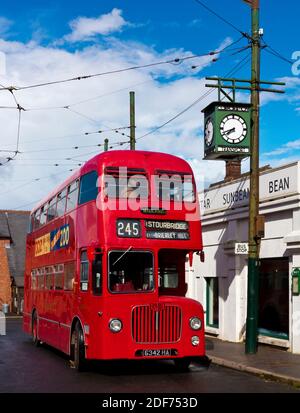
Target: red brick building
[13, 229]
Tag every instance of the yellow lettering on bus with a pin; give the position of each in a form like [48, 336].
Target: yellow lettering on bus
[42, 245]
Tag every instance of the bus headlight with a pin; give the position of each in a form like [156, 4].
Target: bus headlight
[195, 323]
[115, 325]
[195, 340]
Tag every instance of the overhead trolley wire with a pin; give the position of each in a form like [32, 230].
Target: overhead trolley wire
[244, 34]
[195, 102]
[177, 60]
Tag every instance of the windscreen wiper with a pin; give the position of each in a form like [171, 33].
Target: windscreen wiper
[130, 248]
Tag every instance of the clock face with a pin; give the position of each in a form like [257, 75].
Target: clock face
[209, 132]
[233, 129]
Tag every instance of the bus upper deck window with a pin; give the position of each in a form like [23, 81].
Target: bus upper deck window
[178, 187]
[51, 210]
[188, 191]
[43, 217]
[36, 219]
[126, 183]
[61, 203]
[88, 187]
[72, 195]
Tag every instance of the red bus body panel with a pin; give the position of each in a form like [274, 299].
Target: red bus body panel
[57, 310]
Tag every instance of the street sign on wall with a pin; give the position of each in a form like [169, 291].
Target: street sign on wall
[241, 248]
[274, 183]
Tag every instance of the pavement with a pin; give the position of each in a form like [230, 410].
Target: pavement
[269, 362]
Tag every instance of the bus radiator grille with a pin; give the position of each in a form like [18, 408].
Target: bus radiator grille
[155, 324]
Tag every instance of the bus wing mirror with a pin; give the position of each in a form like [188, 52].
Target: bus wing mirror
[201, 255]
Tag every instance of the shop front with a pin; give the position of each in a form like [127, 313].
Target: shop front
[221, 281]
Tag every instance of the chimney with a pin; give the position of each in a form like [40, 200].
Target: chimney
[233, 170]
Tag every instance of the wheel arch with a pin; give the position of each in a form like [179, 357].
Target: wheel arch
[76, 320]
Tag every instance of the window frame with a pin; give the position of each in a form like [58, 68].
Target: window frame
[50, 205]
[210, 305]
[36, 219]
[60, 199]
[77, 189]
[81, 262]
[159, 174]
[133, 291]
[131, 173]
[80, 193]
[98, 291]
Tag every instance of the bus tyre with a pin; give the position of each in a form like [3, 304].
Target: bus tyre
[182, 365]
[79, 353]
[35, 339]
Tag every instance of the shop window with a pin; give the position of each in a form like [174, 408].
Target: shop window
[273, 316]
[212, 302]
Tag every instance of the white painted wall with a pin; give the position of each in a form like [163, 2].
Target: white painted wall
[224, 224]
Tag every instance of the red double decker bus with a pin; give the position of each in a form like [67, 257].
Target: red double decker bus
[105, 262]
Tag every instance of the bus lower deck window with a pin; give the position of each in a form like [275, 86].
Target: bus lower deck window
[130, 271]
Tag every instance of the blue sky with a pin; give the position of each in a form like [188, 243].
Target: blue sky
[38, 38]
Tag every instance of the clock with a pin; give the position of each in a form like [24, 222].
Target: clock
[209, 132]
[227, 131]
[233, 129]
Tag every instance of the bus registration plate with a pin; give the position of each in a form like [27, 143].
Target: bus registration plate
[157, 353]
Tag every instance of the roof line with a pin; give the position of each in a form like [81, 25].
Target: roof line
[7, 221]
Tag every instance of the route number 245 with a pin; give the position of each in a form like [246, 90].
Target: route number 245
[128, 228]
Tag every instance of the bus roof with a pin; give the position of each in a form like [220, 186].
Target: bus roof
[124, 158]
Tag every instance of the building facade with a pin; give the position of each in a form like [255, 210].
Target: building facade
[13, 229]
[220, 283]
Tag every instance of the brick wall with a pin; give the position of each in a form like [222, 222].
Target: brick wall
[5, 283]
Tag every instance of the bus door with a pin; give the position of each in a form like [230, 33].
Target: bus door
[90, 285]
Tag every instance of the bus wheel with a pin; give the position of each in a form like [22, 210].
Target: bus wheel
[79, 356]
[35, 339]
[182, 365]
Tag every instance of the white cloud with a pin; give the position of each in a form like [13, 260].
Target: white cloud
[49, 131]
[284, 149]
[85, 28]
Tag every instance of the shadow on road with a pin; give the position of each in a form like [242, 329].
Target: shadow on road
[124, 367]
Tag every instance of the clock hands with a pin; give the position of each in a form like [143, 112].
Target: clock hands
[228, 132]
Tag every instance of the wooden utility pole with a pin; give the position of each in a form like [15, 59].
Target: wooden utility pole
[105, 145]
[254, 240]
[132, 121]
[256, 222]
